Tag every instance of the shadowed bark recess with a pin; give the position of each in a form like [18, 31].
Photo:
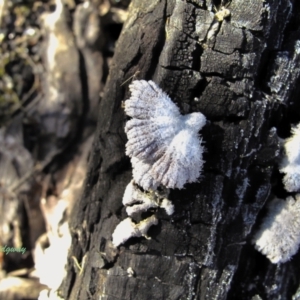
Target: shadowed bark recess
[241, 71]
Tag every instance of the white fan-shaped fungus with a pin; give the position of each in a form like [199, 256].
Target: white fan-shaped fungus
[290, 165]
[165, 150]
[279, 234]
[164, 145]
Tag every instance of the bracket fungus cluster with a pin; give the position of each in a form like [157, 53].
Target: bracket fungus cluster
[165, 151]
[279, 234]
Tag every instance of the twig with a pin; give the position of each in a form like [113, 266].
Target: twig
[133, 76]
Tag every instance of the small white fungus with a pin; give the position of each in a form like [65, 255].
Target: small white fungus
[279, 234]
[127, 229]
[168, 206]
[164, 145]
[290, 164]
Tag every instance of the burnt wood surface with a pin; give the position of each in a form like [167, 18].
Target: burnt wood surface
[244, 77]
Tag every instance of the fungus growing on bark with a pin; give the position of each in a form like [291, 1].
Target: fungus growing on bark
[127, 229]
[290, 164]
[279, 234]
[164, 145]
[137, 201]
[165, 150]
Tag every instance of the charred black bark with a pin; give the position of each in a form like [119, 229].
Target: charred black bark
[241, 71]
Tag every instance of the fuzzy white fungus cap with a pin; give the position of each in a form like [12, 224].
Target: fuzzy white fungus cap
[290, 164]
[279, 234]
[164, 145]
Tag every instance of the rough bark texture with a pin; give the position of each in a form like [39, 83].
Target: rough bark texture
[243, 76]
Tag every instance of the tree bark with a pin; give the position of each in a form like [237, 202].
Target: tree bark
[241, 72]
